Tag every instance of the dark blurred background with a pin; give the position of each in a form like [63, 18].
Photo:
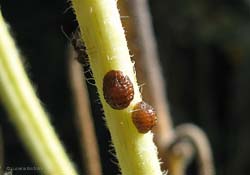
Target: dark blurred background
[204, 49]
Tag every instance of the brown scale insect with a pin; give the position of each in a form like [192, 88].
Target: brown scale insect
[78, 45]
[118, 90]
[82, 56]
[144, 117]
[80, 48]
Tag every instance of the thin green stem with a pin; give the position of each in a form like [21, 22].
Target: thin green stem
[104, 37]
[26, 113]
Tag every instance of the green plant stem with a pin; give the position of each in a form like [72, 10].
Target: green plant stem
[104, 37]
[26, 113]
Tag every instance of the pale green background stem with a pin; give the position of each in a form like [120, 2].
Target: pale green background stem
[26, 113]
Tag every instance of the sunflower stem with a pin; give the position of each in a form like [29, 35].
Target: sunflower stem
[104, 37]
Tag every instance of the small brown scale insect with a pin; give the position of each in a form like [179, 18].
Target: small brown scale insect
[144, 117]
[79, 47]
[82, 56]
[118, 90]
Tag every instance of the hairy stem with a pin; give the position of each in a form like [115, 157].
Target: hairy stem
[104, 37]
[26, 113]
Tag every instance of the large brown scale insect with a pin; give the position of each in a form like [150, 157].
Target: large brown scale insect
[118, 90]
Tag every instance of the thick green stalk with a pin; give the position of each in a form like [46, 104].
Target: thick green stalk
[26, 113]
[104, 37]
